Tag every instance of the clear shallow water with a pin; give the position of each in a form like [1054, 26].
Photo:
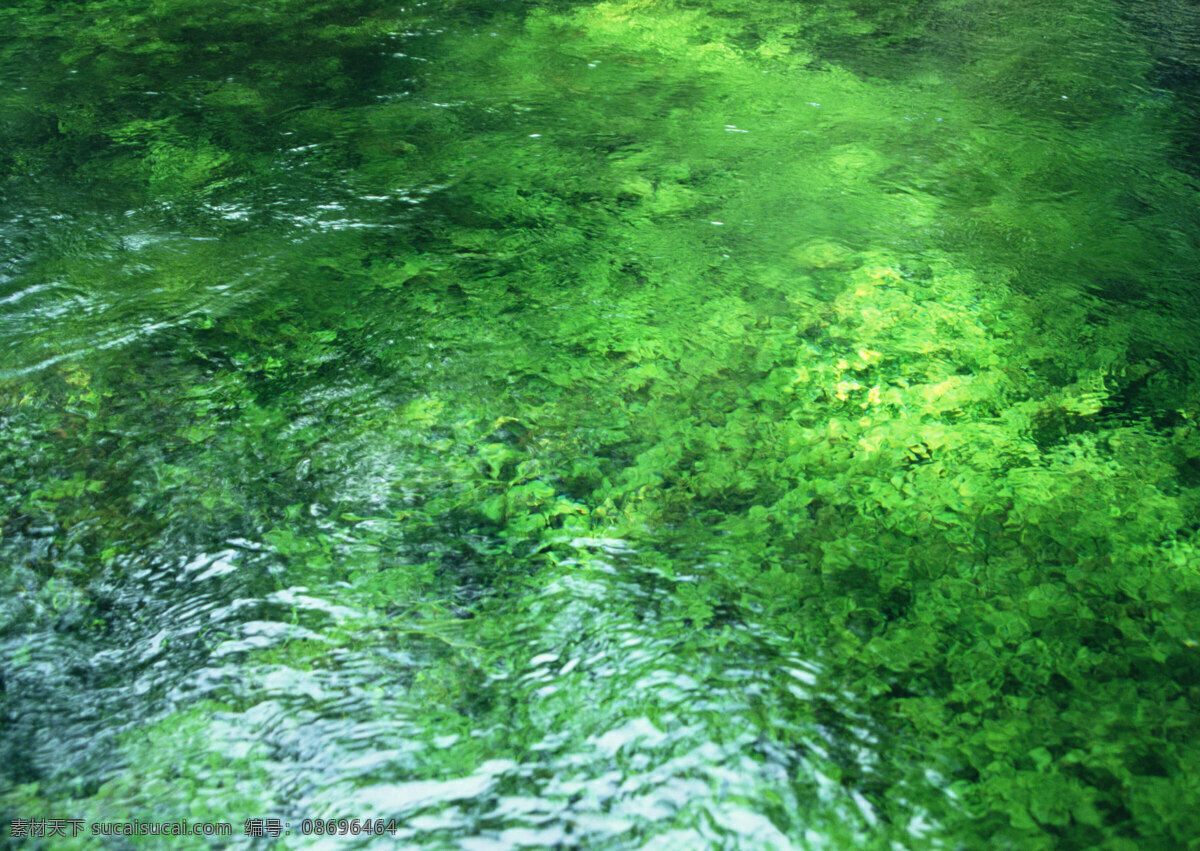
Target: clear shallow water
[618, 425]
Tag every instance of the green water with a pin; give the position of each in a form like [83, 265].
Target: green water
[666, 425]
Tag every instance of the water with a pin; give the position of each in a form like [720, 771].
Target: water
[616, 425]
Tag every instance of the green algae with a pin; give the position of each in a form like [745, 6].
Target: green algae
[878, 360]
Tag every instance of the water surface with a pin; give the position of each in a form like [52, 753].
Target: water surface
[616, 425]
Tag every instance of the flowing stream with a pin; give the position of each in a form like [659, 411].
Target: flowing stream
[656, 424]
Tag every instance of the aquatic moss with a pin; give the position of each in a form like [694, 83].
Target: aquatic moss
[814, 341]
